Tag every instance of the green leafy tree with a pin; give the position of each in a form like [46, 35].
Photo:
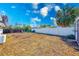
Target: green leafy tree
[66, 16]
[27, 28]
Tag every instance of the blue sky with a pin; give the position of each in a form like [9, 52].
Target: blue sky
[32, 13]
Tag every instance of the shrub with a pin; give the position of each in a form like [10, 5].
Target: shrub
[71, 36]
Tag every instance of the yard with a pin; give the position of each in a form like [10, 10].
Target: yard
[24, 44]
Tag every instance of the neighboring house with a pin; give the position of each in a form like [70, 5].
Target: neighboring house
[3, 23]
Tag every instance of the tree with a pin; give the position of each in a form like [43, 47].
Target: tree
[27, 28]
[66, 16]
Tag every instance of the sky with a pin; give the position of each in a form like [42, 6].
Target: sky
[32, 13]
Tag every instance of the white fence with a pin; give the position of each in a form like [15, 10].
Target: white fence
[56, 31]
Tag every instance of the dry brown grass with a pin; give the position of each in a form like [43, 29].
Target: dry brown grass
[24, 44]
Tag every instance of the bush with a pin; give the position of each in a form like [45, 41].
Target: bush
[33, 30]
[71, 36]
[15, 29]
[27, 29]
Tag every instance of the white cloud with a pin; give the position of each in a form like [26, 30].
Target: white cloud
[13, 7]
[44, 11]
[57, 8]
[54, 21]
[52, 18]
[36, 19]
[50, 6]
[35, 5]
[36, 11]
[2, 12]
[33, 24]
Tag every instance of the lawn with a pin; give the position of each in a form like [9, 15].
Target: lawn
[32, 44]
